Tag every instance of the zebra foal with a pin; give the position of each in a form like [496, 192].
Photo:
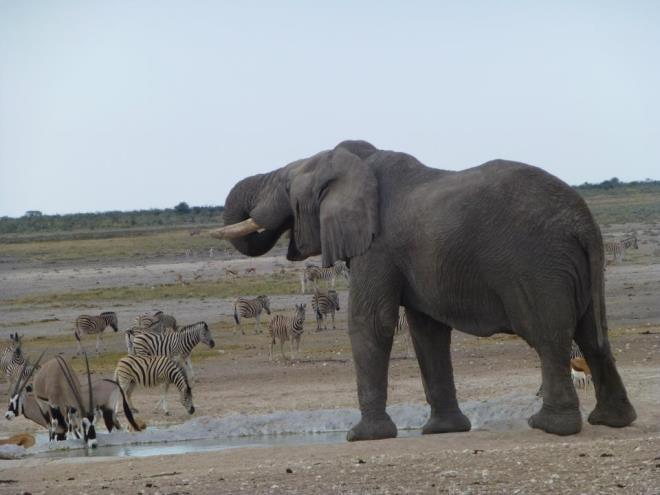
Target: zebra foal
[174, 344]
[325, 303]
[313, 273]
[289, 328]
[617, 249]
[250, 308]
[151, 371]
[155, 322]
[94, 325]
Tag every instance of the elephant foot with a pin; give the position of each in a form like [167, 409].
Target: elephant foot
[614, 414]
[557, 422]
[372, 430]
[455, 421]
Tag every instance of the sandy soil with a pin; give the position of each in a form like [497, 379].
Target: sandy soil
[238, 378]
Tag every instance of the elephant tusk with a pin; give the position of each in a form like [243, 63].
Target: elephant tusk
[236, 230]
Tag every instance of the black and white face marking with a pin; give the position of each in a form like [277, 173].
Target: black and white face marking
[15, 406]
[89, 431]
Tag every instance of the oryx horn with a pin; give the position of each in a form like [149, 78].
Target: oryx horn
[89, 384]
[75, 391]
[236, 230]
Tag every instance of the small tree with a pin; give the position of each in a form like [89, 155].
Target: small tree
[182, 207]
[33, 213]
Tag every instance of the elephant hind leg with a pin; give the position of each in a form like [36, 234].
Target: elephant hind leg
[612, 405]
[560, 413]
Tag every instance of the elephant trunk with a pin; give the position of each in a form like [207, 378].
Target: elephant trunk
[256, 214]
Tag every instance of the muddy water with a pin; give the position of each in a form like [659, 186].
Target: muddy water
[207, 445]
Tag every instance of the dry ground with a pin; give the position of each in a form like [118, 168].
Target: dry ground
[237, 377]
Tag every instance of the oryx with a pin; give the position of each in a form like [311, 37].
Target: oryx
[58, 391]
[22, 400]
[107, 398]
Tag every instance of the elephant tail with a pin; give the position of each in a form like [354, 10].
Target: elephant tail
[595, 253]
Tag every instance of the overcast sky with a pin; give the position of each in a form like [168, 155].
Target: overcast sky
[120, 105]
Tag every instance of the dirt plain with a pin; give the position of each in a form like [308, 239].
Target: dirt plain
[237, 378]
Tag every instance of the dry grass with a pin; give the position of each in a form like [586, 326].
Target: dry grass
[276, 283]
[122, 247]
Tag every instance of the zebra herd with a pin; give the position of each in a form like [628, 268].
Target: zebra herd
[53, 396]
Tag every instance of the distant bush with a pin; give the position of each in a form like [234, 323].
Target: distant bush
[31, 223]
[182, 207]
[615, 183]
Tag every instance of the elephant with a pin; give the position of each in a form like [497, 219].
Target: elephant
[503, 247]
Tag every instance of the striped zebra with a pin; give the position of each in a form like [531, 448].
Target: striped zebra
[314, 273]
[288, 328]
[617, 249]
[403, 329]
[324, 303]
[151, 371]
[174, 344]
[155, 322]
[94, 325]
[250, 308]
[13, 362]
[576, 353]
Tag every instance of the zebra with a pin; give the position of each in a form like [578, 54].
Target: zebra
[313, 273]
[155, 322]
[576, 354]
[618, 248]
[13, 362]
[91, 325]
[287, 328]
[402, 328]
[324, 303]
[250, 308]
[151, 371]
[174, 344]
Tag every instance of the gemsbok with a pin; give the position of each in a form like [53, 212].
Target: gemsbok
[58, 391]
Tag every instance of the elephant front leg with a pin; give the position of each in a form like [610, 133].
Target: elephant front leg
[432, 342]
[371, 366]
[373, 312]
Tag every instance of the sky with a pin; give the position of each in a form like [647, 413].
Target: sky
[127, 105]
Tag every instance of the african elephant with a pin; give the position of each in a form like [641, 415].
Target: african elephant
[499, 248]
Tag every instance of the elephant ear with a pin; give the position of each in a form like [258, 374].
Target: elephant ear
[348, 207]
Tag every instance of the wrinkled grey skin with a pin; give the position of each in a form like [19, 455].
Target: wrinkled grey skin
[499, 248]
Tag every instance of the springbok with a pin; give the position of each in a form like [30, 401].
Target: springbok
[580, 373]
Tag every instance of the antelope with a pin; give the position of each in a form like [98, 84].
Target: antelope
[58, 391]
[107, 397]
[580, 372]
[24, 440]
[23, 402]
